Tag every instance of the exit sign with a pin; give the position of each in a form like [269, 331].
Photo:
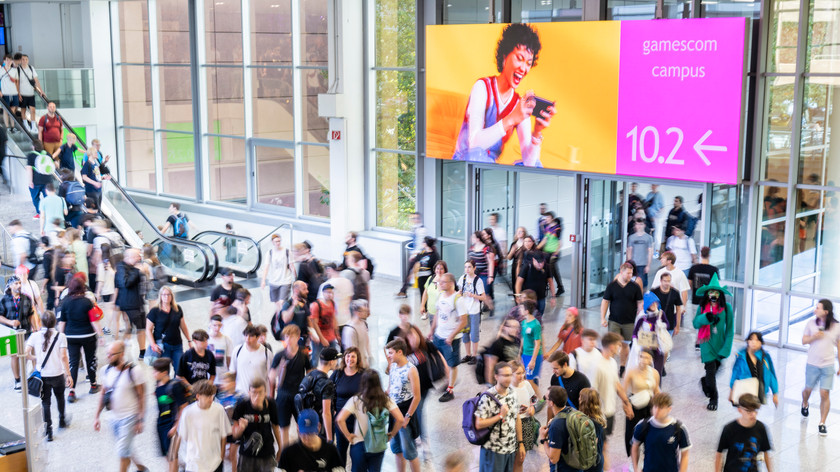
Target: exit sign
[8, 345]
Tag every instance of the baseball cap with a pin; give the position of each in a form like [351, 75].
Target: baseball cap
[329, 354]
[224, 271]
[308, 421]
[327, 287]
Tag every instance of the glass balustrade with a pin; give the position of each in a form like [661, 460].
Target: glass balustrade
[68, 88]
[236, 252]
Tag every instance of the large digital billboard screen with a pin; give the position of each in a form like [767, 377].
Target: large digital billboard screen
[659, 99]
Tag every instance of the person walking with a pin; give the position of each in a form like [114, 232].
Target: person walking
[640, 249]
[250, 361]
[472, 291]
[255, 427]
[607, 382]
[822, 335]
[404, 391]
[745, 440]
[288, 368]
[203, 431]
[716, 325]
[517, 250]
[526, 399]
[483, 259]
[452, 317]
[50, 130]
[431, 291]
[129, 299]
[556, 435]
[569, 337]
[531, 348]
[49, 348]
[347, 380]
[676, 216]
[322, 390]
[356, 332]
[311, 452]
[309, 270]
[295, 310]
[701, 273]
[564, 375]
[27, 85]
[641, 383]
[670, 303]
[623, 298]
[164, 325]
[418, 234]
[590, 405]
[279, 272]
[198, 363]
[665, 439]
[499, 410]
[124, 396]
[753, 362]
[322, 316]
[370, 403]
[81, 334]
[171, 397]
[535, 274]
[426, 262]
[683, 247]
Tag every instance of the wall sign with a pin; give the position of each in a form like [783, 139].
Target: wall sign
[658, 99]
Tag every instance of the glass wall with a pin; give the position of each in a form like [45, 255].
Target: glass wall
[222, 96]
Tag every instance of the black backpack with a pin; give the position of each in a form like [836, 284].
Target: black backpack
[310, 392]
[32, 257]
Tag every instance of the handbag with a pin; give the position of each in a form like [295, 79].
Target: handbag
[95, 314]
[744, 386]
[641, 399]
[34, 383]
[666, 342]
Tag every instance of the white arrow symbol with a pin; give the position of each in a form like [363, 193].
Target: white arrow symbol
[699, 148]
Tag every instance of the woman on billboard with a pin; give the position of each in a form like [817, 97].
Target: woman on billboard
[495, 109]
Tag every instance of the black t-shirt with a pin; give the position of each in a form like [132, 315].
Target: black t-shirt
[221, 292]
[396, 333]
[742, 446]
[505, 350]
[296, 368]
[311, 273]
[37, 177]
[668, 303]
[623, 301]
[170, 397]
[260, 422]
[573, 386]
[167, 325]
[194, 367]
[427, 261]
[297, 457]
[533, 278]
[74, 312]
[91, 170]
[300, 317]
[345, 387]
[700, 275]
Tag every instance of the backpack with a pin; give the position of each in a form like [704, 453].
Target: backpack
[307, 398]
[32, 256]
[75, 194]
[376, 436]
[180, 229]
[435, 365]
[583, 442]
[474, 435]
[690, 224]
[360, 286]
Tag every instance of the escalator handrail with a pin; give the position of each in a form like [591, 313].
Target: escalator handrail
[221, 235]
[19, 123]
[64, 122]
[208, 252]
[282, 225]
[206, 275]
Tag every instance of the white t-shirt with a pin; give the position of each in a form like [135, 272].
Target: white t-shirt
[449, 312]
[7, 87]
[683, 248]
[678, 280]
[232, 327]
[124, 401]
[355, 333]
[342, 296]
[221, 347]
[201, 433]
[54, 366]
[278, 268]
[523, 393]
[27, 73]
[106, 274]
[821, 352]
[355, 407]
[587, 362]
[249, 365]
[604, 382]
[474, 285]
[20, 249]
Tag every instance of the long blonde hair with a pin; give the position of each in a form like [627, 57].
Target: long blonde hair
[590, 405]
[173, 306]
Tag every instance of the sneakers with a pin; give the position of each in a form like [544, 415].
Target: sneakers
[106, 331]
[18, 388]
[703, 386]
[94, 388]
[446, 397]
[823, 431]
[36, 217]
[401, 295]
[64, 422]
[472, 360]
[804, 411]
[71, 397]
[424, 316]
[696, 348]
[48, 434]
[539, 406]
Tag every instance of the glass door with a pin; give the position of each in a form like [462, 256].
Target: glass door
[497, 209]
[604, 220]
[273, 174]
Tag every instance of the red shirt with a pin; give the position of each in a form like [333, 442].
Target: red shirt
[324, 315]
[573, 342]
[52, 128]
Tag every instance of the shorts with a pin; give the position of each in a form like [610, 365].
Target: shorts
[475, 323]
[610, 423]
[257, 464]
[452, 353]
[624, 329]
[27, 101]
[532, 374]
[285, 408]
[107, 298]
[124, 433]
[136, 318]
[278, 293]
[823, 375]
[12, 100]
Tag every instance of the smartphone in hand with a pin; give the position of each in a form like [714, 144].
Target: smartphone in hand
[541, 106]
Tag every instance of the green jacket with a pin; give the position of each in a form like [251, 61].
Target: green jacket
[719, 346]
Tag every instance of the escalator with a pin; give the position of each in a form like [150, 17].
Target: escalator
[192, 262]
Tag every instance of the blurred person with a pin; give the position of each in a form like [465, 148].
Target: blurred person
[822, 335]
[404, 391]
[342, 293]
[256, 428]
[452, 317]
[203, 431]
[683, 247]
[48, 347]
[431, 291]
[623, 298]
[418, 235]
[472, 292]
[641, 383]
[288, 368]
[569, 337]
[322, 316]
[220, 345]
[310, 270]
[279, 272]
[75, 322]
[311, 452]
[517, 250]
[754, 362]
[356, 332]
[51, 208]
[745, 440]
[65, 155]
[590, 405]
[225, 291]
[664, 438]
[171, 398]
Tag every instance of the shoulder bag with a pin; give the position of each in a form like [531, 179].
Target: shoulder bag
[35, 383]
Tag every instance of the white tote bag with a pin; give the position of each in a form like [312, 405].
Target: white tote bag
[743, 386]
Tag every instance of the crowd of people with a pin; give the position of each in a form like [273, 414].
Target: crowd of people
[234, 394]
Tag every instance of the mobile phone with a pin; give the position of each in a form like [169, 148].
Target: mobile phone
[542, 105]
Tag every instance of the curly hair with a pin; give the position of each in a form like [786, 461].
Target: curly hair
[514, 35]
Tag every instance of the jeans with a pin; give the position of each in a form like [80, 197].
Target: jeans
[124, 432]
[36, 192]
[341, 442]
[403, 444]
[709, 382]
[52, 385]
[173, 352]
[639, 414]
[643, 274]
[74, 351]
[364, 462]
[418, 416]
[409, 269]
[489, 461]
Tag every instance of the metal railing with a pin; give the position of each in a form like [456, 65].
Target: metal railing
[69, 88]
[242, 254]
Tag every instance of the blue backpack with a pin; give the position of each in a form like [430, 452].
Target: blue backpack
[75, 195]
[180, 228]
[474, 435]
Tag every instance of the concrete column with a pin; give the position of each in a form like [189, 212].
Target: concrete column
[346, 114]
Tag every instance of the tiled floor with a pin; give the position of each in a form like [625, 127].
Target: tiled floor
[796, 443]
